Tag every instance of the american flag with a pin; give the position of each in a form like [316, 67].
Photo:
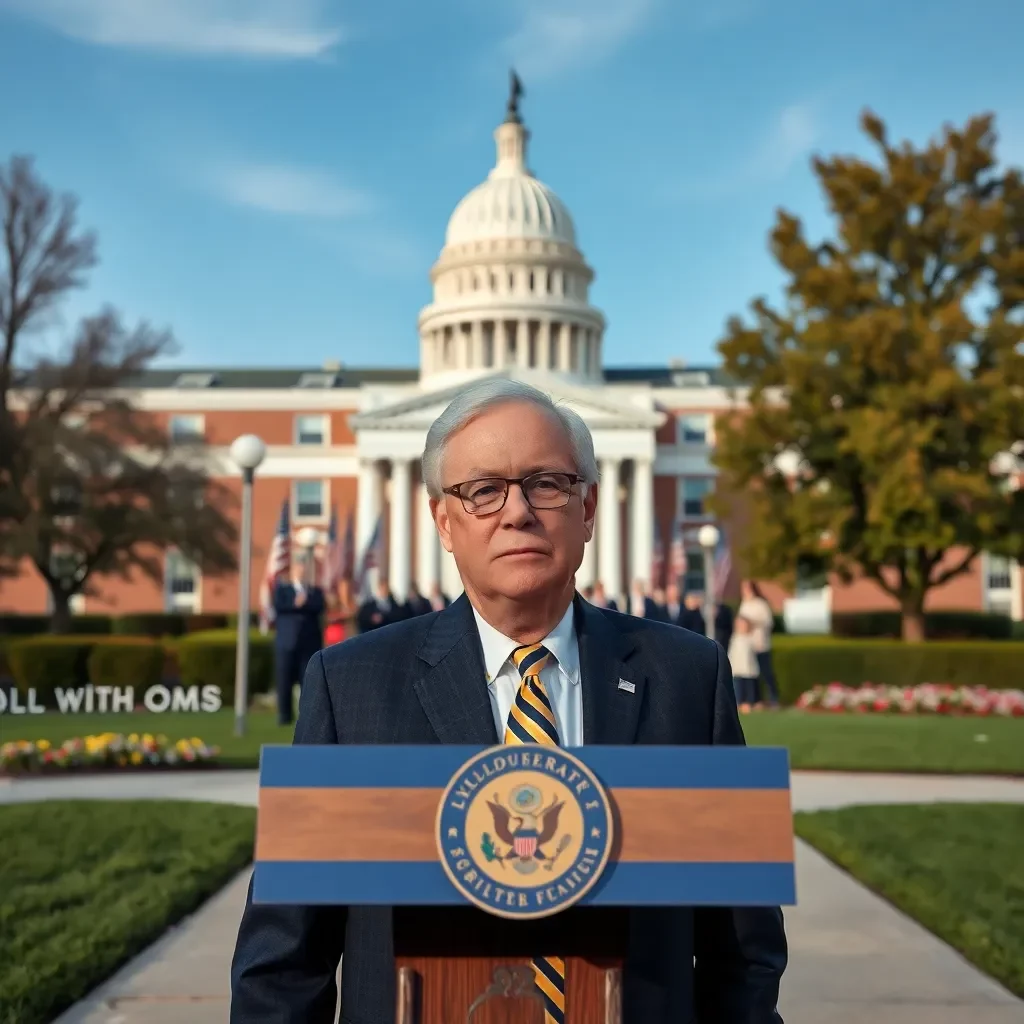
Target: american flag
[279, 562]
[658, 561]
[677, 556]
[338, 557]
[723, 564]
[371, 556]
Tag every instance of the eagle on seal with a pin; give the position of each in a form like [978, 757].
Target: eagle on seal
[526, 834]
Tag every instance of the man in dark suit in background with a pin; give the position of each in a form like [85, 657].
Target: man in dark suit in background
[438, 599]
[513, 488]
[601, 598]
[380, 610]
[298, 606]
[692, 615]
[417, 603]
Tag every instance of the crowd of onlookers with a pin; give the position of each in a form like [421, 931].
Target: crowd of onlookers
[745, 635]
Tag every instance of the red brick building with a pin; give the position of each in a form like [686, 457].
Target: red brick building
[511, 297]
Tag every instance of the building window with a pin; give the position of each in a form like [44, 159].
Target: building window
[187, 429]
[693, 429]
[181, 583]
[1000, 573]
[694, 491]
[309, 499]
[311, 430]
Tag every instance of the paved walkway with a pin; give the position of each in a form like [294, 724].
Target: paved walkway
[854, 958]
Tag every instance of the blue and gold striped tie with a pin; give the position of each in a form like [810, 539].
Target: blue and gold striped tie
[532, 720]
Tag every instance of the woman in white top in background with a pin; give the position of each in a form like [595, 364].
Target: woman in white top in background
[758, 612]
[743, 662]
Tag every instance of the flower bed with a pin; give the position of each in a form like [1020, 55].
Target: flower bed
[929, 699]
[106, 751]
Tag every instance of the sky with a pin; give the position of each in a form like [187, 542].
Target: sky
[271, 179]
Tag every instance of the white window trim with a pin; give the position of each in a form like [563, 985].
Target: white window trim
[1011, 595]
[705, 513]
[709, 430]
[325, 501]
[325, 429]
[187, 604]
[198, 417]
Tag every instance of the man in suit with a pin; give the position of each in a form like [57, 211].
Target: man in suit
[380, 610]
[692, 616]
[513, 488]
[298, 606]
[642, 604]
[601, 598]
[439, 600]
[673, 606]
[416, 602]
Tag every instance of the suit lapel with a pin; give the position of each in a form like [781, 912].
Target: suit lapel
[452, 687]
[611, 712]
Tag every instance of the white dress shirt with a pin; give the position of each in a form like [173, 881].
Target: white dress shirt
[560, 676]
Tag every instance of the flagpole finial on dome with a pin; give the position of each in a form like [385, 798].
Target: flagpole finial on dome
[511, 136]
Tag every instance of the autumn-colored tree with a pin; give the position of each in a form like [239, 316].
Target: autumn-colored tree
[886, 393]
[89, 486]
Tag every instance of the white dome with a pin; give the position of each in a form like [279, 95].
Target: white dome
[517, 206]
[511, 203]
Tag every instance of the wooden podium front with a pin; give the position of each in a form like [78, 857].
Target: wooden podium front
[364, 826]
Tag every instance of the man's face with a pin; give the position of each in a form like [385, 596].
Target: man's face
[518, 551]
[672, 593]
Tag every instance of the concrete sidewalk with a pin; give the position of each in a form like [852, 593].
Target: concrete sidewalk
[854, 958]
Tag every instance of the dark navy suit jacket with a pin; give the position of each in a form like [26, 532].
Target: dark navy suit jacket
[422, 681]
[298, 628]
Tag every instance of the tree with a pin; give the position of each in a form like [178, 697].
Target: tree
[89, 485]
[891, 378]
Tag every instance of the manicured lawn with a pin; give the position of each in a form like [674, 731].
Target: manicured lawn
[891, 743]
[84, 886]
[956, 868]
[841, 742]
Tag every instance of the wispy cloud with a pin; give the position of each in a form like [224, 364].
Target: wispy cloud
[288, 190]
[555, 36]
[288, 29]
[794, 132]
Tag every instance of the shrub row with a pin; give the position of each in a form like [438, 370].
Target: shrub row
[154, 624]
[802, 663]
[44, 663]
[951, 625]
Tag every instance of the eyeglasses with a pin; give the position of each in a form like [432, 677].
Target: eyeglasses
[489, 494]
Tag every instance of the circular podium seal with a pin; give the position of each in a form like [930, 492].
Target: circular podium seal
[524, 831]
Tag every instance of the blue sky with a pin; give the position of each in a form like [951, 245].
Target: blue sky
[271, 179]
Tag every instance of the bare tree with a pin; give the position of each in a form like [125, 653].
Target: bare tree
[89, 485]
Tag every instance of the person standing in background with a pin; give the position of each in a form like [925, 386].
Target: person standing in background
[723, 625]
[759, 613]
[673, 605]
[298, 606]
[692, 615]
[642, 605]
[601, 599]
[416, 602]
[439, 600]
[743, 662]
[381, 610]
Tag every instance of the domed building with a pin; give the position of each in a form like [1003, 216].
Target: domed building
[511, 297]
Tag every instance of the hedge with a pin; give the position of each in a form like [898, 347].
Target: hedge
[153, 624]
[127, 664]
[35, 625]
[801, 663]
[948, 625]
[208, 659]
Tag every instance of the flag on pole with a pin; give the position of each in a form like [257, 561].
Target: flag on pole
[372, 556]
[677, 556]
[327, 573]
[723, 564]
[279, 563]
[347, 552]
[658, 561]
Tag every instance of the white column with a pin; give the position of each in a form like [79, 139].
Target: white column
[587, 572]
[608, 553]
[565, 348]
[368, 506]
[544, 345]
[523, 343]
[428, 546]
[478, 344]
[400, 535]
[642, 525]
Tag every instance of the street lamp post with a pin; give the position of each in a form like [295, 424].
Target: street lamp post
[707, 537]
[247, 452]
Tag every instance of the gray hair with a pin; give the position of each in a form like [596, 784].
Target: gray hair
[475, 399]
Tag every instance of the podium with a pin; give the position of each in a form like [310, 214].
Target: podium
[494, 857]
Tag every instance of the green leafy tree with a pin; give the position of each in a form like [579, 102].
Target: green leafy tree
[886, 391]
[89, 485]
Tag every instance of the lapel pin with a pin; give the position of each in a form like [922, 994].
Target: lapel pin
[625, 684]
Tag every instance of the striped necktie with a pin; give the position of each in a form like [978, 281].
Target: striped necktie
[531, 720]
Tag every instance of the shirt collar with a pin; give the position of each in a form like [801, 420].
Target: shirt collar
[561, 642]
